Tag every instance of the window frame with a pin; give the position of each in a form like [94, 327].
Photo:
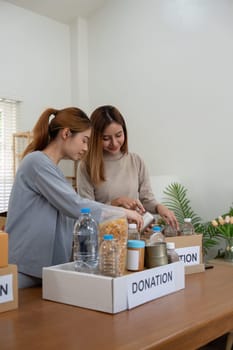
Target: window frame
[9, 109]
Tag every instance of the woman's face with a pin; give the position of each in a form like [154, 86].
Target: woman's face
[77, 145]
[113, 138]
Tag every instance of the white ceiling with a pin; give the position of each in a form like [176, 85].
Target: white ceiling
[60, 10]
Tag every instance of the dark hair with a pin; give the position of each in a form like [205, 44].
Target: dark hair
[47, 130]
[101, 118]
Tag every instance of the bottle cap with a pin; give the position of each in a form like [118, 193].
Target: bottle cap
[108, 237]
[156, 229]
[135, 244]
[170, 245]
[132, 226]
[85, 210]
[187, 219]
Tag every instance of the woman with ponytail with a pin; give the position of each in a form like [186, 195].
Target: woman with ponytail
[43, 206]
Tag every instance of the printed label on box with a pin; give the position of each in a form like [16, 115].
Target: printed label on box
[6, 288]
[189, 255]
[154, 283]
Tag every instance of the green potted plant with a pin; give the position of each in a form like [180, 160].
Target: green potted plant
[176, 199]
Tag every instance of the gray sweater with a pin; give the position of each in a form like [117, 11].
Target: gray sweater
[42, 210]
[126, 176]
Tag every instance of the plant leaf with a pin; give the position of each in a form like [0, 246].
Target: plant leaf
[176, 200]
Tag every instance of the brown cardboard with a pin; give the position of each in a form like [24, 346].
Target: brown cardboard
[6, 273]
[3, 249]
[2, 222]
[194, 269]
[189, 241]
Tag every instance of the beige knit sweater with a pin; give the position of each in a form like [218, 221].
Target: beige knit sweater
[126, 176]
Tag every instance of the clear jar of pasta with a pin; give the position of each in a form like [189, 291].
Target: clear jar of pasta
[114, 222]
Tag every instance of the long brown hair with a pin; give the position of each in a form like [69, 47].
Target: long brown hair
[101, 118]
[45, 131]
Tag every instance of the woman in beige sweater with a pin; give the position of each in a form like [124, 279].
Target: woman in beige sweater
[112, 175]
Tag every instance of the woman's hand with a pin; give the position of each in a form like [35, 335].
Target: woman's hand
[129, 203]
[167, 215]
[133, 215]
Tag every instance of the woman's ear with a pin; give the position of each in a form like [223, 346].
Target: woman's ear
[65, 133]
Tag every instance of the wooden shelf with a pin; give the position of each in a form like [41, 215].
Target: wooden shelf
[20, 142]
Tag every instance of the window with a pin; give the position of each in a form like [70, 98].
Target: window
[8, 111]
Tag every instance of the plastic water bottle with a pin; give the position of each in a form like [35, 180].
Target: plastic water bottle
[108, 257]
[133, 233]
[187, 228]
[170, 231]
[156, 235]
[171, 253]
[85, 237]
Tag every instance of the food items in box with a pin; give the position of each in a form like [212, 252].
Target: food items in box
[115, 223]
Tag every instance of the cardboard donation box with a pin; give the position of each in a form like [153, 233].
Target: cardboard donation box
[3, 249]
[8, 278]
[63, 284]
[8, 288]
[189, 249]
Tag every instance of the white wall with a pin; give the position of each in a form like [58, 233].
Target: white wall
[79, 63]
[168, 66]
[34, 62]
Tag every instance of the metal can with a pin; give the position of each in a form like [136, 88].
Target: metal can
[156, 255]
